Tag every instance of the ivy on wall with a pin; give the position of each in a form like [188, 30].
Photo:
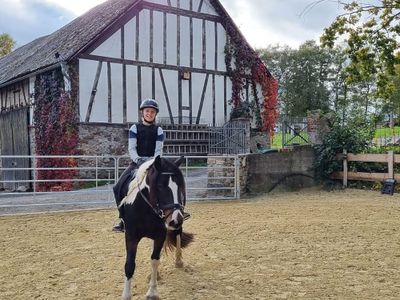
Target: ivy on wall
[56, 131]
[244, 65]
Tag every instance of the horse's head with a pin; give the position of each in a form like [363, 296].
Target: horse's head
[167, 190]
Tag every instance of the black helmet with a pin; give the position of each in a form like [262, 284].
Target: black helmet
[149, 103]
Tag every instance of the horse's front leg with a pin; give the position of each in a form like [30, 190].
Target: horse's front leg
[152, 293]
[178, 252]
[131, 248]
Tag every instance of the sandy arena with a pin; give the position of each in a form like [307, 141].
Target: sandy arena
[302, 245]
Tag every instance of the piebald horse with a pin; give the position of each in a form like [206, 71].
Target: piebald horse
[154, 208]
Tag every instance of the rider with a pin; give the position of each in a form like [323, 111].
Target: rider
[145, 141]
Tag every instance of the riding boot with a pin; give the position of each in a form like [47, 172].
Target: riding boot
[120, 227]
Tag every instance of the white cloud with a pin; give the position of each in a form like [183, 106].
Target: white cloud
[77, 7]
[262, 22]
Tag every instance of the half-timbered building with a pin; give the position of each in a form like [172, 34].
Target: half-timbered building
[111, 58]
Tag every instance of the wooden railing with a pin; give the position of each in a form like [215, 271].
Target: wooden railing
[390, 159]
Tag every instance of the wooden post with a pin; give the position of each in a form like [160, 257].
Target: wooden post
[345, 170]
[390, 160]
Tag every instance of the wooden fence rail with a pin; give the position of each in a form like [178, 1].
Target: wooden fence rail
[390, 158]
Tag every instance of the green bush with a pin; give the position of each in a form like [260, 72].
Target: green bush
[354, 136]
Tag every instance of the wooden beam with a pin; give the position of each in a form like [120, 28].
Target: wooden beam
[165, 38]
[191, 40]
[147, 64]
[124, 95]
[190, 100]
[200, 6]
[225, 99]
[179, 98]
[178, 40]
[181, 12]
[166, 96]
[124, 91]
[122, 42]
[139, 88]
[151, 35]
[94, 91]
[367, 157]
[109, 85]
[204, 45]
[216, 45]
[364, 176]
[153, 83]
[137, 37]
[213, 99]
[203, 94]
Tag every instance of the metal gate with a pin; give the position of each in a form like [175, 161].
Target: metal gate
[207, 178]
[232, 138]
[294, 132]
[14, 140]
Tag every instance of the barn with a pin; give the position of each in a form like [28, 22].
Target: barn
[78, 90]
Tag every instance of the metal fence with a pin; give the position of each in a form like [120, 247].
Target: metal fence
[293, 131]
[30, 181]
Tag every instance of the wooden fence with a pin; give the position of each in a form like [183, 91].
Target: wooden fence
[389, 158]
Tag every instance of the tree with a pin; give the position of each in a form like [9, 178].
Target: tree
[371, 32]
[302, 76]
[6, 44]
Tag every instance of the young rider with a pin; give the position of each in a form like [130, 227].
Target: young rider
[145, 141]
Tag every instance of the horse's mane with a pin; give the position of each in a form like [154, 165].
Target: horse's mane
[137, 183]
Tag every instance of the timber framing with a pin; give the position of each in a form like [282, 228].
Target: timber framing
[151, 65]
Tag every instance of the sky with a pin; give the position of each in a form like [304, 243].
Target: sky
[262, 22]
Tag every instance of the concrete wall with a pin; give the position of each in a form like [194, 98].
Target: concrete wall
[291, 170]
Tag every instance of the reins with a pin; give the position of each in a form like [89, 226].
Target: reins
[159, 212]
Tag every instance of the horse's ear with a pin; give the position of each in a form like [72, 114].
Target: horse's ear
[179, 161]
[157, 163]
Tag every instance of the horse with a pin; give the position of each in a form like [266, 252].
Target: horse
[154, 210]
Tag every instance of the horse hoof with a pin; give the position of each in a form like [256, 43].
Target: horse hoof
[152, 298]
[179, 265]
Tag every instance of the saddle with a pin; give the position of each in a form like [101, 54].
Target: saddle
[122, 186]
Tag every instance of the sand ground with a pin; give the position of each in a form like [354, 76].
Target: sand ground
[310, 244]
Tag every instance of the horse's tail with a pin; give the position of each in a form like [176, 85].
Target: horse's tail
[170, 242]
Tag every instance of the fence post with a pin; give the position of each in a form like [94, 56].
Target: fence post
[345, 169]
[390, 160]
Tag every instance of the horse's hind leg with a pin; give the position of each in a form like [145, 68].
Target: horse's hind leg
[131, 248]
[152, 293]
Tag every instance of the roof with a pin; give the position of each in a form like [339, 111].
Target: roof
[71, 39]
[67, 41]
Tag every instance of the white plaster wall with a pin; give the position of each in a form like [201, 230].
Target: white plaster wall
[132, 94]
[171, 39]
[158, 46]
[207, 8]
[130, 39]
[116, 94]
[144, 35]
[171, 83]
[185, 41]
[197, 43]
[111, 47]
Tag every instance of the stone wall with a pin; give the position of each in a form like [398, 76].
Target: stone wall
[103, 139]
[291, 170]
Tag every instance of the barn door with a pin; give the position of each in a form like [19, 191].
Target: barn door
[14, 140]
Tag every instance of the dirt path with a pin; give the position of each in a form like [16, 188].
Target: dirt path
[304, 245]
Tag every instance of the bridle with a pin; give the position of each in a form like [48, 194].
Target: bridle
[160, 211]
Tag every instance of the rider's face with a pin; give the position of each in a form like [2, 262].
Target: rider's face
[149, 114]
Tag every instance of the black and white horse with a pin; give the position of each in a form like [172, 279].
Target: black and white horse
[154, 208]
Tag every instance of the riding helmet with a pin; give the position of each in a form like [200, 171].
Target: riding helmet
[149, 103]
